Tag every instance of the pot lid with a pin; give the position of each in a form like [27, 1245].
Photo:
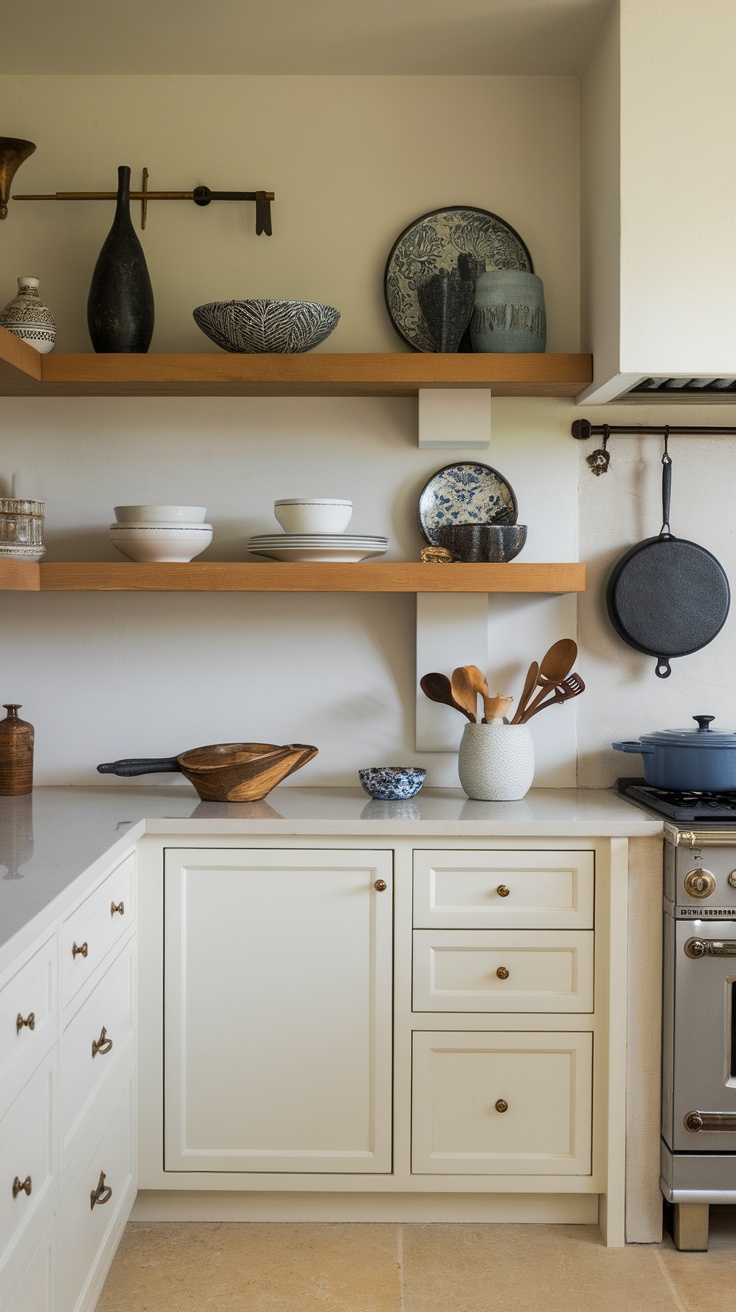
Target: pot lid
[701, 736]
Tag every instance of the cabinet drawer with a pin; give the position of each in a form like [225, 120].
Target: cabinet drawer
[35, 1290]
[90, 1059]
[503, 890]
[94, 928]
[502, 1104]
[27, 1017]
[86, 1232]
[26, 1157]
[493, 970]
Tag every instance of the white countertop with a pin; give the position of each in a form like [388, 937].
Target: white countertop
[54, 835]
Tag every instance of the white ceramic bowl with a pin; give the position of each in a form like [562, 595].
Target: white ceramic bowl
[160, 514]
[313, 514]
[161, 542]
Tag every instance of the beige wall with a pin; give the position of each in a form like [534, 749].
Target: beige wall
[352, 161]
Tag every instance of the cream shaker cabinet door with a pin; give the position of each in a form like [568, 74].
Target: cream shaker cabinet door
[502, 1104]
[278, 995]
[35, 1289]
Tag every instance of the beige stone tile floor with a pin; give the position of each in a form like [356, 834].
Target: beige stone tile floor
[200, 1267]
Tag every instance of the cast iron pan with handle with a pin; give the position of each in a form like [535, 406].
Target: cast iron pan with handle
[666, 596]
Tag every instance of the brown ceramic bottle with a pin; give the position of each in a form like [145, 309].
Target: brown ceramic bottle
[16, 753]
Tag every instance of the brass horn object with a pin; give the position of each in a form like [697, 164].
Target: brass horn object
[13, 150]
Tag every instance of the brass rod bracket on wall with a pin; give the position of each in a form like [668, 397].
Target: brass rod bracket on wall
[200, 196]
[599, 460]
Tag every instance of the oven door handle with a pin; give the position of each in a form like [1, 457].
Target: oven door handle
[710, 947]
[714, 1121]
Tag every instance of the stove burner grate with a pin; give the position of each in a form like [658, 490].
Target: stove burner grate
[680, 805]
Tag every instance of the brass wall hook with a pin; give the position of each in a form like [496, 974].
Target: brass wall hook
[200, 195]
[13, 150]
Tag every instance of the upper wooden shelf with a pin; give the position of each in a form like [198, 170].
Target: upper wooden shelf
[23, 372]
[234, 576]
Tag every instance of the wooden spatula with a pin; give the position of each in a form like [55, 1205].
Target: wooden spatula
[498, 707]
[464, 691]
[570, 687]
[530, 684]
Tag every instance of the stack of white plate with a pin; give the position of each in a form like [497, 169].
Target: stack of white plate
[346, 547]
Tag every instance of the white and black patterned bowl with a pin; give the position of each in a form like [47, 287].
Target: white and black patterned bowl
[250, 327]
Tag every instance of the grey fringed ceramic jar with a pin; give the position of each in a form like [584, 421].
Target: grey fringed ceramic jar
[508, 314]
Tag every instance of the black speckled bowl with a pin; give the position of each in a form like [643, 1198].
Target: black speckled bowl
[483, 542]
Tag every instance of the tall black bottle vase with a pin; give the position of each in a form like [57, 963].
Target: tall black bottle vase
[120, 302]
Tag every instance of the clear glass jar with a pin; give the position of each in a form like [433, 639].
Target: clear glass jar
[21, 524]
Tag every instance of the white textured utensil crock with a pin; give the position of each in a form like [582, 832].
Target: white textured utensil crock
[496, 761]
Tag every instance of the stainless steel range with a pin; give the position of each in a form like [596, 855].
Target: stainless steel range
[698, 1146]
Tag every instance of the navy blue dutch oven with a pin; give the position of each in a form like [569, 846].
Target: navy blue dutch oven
[694, 760]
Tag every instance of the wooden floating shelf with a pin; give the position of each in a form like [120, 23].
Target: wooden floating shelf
[23, 372]
[229, 576]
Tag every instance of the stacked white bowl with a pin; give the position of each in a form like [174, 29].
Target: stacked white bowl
[314, 530]
[173, 534]
[313, 515]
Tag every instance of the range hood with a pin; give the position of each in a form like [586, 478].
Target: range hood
[658, 204]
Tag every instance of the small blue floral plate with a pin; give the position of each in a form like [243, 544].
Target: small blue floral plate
[465, 493]
[391, 783]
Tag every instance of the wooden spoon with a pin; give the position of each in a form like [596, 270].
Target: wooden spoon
[530, 684]
[437, 688]
[464, 691]
[570, 687]
[556, 664]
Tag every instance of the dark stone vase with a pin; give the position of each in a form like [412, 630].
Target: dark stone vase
[446, 301]
[120, 302]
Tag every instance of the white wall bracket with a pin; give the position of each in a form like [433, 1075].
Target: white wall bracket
[454, 417]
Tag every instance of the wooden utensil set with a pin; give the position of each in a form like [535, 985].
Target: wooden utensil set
[547, 684]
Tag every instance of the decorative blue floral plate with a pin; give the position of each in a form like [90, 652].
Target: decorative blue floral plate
[431, 244]
[465, 493]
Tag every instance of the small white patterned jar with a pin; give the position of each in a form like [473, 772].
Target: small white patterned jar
[27, 317]
[496, 761]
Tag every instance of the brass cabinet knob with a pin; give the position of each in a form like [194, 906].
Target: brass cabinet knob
[380, 885]
[22, 1186]
[502, 972]
[101, 1045]
[29, 1021]
[503, 891]
[79, 952]
[502, 1105]
[120, 908]
[102, 1194]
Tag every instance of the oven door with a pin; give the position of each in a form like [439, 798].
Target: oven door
[703, 1056]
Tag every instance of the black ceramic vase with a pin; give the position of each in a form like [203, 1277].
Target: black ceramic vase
[446, 301]
[120, 303]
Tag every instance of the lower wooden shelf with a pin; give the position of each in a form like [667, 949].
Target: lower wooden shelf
[235, 576]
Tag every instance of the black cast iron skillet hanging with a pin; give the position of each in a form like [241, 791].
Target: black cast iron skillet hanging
[667, 597]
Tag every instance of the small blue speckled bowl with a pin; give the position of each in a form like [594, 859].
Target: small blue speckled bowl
[390, 783]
